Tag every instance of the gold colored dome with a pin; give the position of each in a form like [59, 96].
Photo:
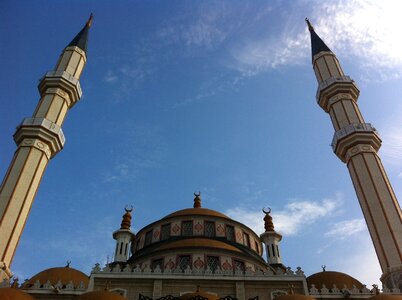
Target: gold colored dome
[199, 211]
[329, 278]
[62, 274]
[295, 297]
[101, 295]
[199, 293]
[14, 294]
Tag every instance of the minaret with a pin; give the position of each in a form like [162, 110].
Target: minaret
[356, 143]
[124, 236]
[38, 138]
[271, 239]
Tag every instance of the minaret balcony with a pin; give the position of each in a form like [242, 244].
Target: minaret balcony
[333, 86]
[63, 80]
[40, 128]
[362, 135]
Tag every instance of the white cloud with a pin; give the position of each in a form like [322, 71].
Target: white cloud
[270, 53]
[365, 29]
[391, 150]
[344, 229]
[110, 77]
[296, 215]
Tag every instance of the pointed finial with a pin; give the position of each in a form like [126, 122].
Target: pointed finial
[81, 39]
[310, 27]
[269, 225]
[126, 222]
[89, 22]
[197, 200]
[317, 44]
[68, 264]
[323, 267]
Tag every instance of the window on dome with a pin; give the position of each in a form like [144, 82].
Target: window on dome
[187, 228]
[148, 238]
[209, 228]
[165, 232]
[184, 262]
[157, 263]
[239, 266]
[230, 234]
[256, 247]
[213, 262]
[246, 239]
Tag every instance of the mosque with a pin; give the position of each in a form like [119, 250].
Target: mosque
[198, 253]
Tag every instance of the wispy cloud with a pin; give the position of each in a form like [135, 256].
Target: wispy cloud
[365, 30]
[392, 146]
[110, 76]
[297, 214]
[344, 229]
[140, 151]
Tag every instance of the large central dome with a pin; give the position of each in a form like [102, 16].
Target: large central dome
[197, 238]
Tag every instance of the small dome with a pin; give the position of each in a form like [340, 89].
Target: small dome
[100, 295]
[14, 294]
[295, 297]
[386, 297]
[329, 278]
[62, 274]
[197, 211]
[199, 293]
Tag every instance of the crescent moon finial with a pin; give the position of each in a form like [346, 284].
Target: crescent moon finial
[197, 195]
[266, 211]
[128, 209]
[323, 267]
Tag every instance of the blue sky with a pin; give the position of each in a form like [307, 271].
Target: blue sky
[211, 96]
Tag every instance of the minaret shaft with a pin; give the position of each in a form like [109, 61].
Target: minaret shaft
[356, 143]
[17, 193]
[38, 138]
[379, 205]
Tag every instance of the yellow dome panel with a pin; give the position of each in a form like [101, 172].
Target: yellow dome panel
[329, 278]
[63, 274]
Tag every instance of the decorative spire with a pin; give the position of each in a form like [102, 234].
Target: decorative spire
[197, 200]
[68, 264]
[323, 267]
[269, 225]
[126, 222]
[81, 39]
[317, 44]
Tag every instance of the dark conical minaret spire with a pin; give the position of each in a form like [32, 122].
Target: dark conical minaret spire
[81, 39]
[317, 44]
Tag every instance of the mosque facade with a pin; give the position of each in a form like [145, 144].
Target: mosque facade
[197, 253]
